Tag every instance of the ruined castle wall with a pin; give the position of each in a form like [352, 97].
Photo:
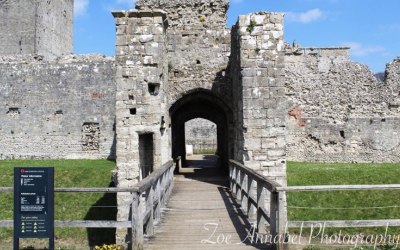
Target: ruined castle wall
[64, 109]
[54, 30]
[17, 29]
[143, 134]
[261, 86]
[36, 27]
[198, 45]
[392, 80]
[339, 111]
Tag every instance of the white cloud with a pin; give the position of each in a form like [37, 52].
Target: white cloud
[80, 7]
[304, 17]
[358, 49]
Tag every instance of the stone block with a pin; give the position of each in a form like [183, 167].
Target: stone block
[121, 41]
[244, 20]
[252, 144]
[146, 38]
[268, 143]
[249, 72]
[274, 154]
[259, 19]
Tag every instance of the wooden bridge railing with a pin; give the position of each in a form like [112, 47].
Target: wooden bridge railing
[252, 190]
[342, 223]
[148, 197]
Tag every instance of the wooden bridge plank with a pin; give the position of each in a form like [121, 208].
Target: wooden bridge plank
[196, 209]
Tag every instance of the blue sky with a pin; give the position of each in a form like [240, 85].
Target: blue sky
[370, 27]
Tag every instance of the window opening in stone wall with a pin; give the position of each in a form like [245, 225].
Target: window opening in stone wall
[154, 88]
[146, 154]
[201, 137]
[132, 111]
[90, 136]
[342, 134]
[13, 112]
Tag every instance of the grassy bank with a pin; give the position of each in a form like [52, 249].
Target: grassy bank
[344, 205]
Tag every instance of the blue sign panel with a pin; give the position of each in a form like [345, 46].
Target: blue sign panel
[33, 204]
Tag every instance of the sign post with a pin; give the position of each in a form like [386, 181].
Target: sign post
[33, 204]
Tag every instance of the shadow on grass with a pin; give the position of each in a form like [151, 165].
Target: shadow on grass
[104, 209]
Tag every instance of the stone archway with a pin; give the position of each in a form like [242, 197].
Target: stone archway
[160, 67]
[204, 104]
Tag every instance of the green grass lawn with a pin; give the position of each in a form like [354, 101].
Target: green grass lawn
[68, 206]
[344, 205]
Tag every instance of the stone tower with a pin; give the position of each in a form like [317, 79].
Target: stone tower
[177, 61]
[38, 27]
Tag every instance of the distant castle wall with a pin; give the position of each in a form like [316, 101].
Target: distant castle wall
[64, 109]
[340, 112]
[36, 27]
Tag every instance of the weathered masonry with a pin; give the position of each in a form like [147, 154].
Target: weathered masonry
[36, 27]
[175, 62]
[340, 112]
[337, 110]
[59, 109]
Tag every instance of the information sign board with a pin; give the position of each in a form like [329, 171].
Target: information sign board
[33, 204]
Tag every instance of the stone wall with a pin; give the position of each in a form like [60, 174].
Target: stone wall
[17, 31]
[392, 80]
[185, 13]
[198, 45]
[36, 27]
[141, 103]
[63, 109]
[340, 112]
[260, 93]
[54, 30]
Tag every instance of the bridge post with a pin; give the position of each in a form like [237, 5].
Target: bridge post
[282, 221]
[243, 190]
[278, 219]
[233, 171]
[251, 208]
[273, 216]
[261, 196]
[149, 207]
[239, 174]
[157, 212]
[137, 223]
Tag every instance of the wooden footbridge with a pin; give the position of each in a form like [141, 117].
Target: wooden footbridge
[198, 208]
[201, 209]
[203, 214]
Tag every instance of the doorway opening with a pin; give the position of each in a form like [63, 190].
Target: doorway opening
[212, 140]
[201, 137]
[201, 145]
[146, 154]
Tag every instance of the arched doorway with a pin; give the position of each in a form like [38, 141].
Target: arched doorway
[204, 104]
